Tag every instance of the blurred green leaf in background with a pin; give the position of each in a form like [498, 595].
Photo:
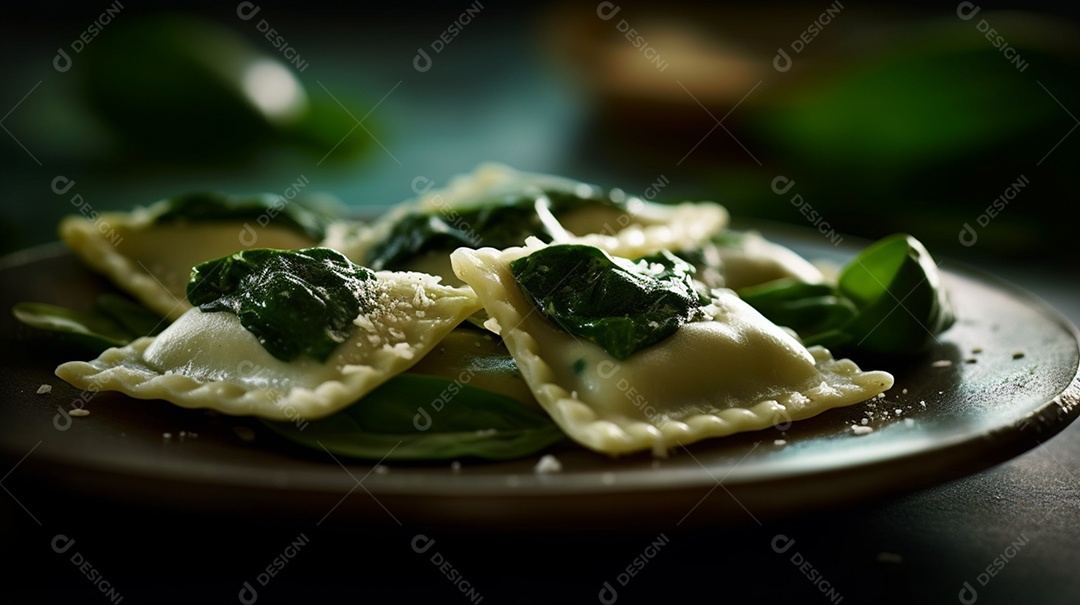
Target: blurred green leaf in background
[182, 88]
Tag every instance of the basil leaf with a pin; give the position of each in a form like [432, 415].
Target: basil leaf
[300, 214]
[896, 286]
[294, 301]
[414, 417]
[501, 222]
[621, 305]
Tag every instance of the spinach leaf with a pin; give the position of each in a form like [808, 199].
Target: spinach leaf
[90, 330]
[809, 309]
[415, 417]
[476, 357]
[114, 322]
[178, 88]
[699, 256]
[499, 223]
[896, 286]
[132, 316]
[621, 305]
[298, 213]
[889, 300]
[294, 301]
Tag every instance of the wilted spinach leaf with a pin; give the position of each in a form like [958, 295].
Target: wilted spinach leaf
[299, 214]
[294, 301]
[417, 417]
[621, 305]
[498, 223]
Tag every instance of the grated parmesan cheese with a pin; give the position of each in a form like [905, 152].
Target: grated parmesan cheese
[547, 464]
[493, 324]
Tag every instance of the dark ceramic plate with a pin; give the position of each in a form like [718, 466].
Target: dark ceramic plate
[1011, 382]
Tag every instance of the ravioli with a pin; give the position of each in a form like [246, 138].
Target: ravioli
[211, 360]
[648, 228]
[730, 372]
[475, 357]
[739, 259]
[498, 206]
[149, 252]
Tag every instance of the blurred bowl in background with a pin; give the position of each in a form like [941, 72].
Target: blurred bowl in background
[883, 120]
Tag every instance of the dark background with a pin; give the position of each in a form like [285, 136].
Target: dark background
[894, 118]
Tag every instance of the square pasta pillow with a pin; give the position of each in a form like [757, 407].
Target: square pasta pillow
[283, 335]
[725, 369]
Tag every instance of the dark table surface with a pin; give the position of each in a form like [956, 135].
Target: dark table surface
[1006, 535]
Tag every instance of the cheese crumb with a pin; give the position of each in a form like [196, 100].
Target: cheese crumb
[79, 412]
[861, 430]
[779, 442]
[493, 324]
[941, 363]
[44, 389]
[547, 464]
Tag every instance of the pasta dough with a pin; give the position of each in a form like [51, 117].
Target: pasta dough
[529, 204]
[152, 259]
[734, 371]
[740, 259]
[209, 360]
